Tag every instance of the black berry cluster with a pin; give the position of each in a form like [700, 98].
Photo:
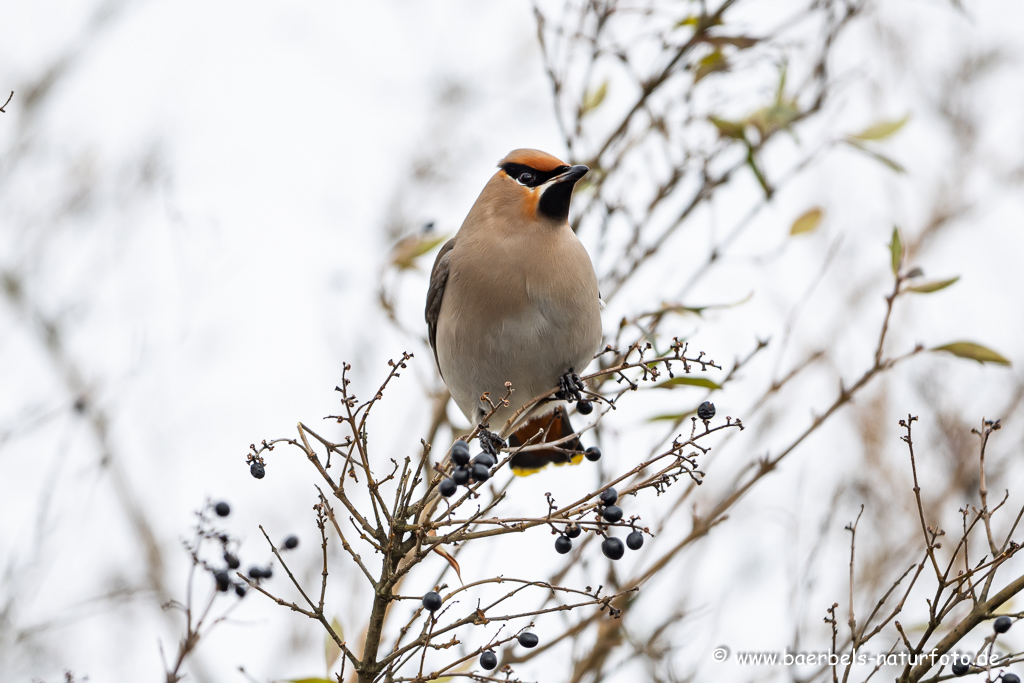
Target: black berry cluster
[258, 573]
[466, 471]
[609, 513]
[488, 658]
[563, 542]
[221, 574]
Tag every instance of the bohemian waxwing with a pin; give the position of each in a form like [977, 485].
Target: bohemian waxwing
[513, 298]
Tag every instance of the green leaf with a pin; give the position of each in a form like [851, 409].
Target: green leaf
[972, 351]
[682, 309]
[688, 381]
[729, 129]
[710, 64]
[699, 22]
[807, 221]
[762, 181]
[331, 649]
[775, 117]
[696, 310]
[881, 130]
[593, 98]
[669, 417]
[929, 287]
[888, 161]
[408, 249]
[780, 91]
[896, 251]
[739, 42]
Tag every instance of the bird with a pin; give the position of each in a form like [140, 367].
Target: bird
[513, 297]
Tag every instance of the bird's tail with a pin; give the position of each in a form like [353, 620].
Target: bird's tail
[556, 426]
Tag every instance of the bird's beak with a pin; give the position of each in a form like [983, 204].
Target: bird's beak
[573, 174]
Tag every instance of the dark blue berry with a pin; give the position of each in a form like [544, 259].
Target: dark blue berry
[528, 639]
[291, 543]
[1002, 624]
[612, 548]
[489, 660]
[460, 452]
[706, 410]
[231, 560]
[223, 581]
[960, 666]
[563, 544]
[612, 513]
[485, 459]
[460, 476]
[257, 470]
[448, 487]
[635, 540]
[240, 590]
[480, 472]
[609, 496]
[432, 601]
[573, 530]
[1011, 678]
[593, 454]
[260, 573]
[222, 509]
[584, 407]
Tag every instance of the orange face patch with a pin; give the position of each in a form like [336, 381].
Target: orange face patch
[530, 203]
[534, 158]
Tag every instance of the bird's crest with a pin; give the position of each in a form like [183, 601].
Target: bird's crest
[534, 158]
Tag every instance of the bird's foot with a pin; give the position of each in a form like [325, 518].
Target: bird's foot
[490, 442]
[570, 387]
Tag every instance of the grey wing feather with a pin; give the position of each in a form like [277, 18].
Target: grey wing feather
[438, 280]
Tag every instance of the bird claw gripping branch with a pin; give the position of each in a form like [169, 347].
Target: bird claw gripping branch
[490, 442]
[570, 387]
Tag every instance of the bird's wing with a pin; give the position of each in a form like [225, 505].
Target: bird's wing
[438, 280]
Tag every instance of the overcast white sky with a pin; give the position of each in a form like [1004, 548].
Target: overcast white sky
[214, 306]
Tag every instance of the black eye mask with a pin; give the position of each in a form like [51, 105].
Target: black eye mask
[539, 177]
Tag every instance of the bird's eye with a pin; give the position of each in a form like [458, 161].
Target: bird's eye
[525, 178]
